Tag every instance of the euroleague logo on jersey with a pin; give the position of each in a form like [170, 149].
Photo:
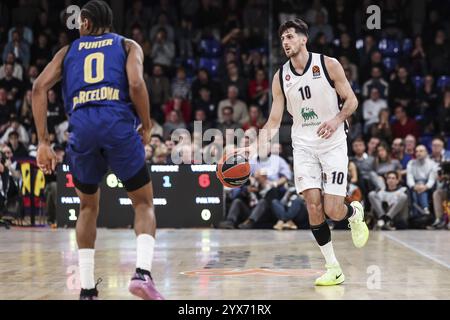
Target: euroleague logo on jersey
[316, 72]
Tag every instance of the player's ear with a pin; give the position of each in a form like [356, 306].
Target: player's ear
[84, 24]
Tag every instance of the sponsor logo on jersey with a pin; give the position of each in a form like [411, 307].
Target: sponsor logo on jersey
[288, 77]
[309, 116]
[316, 72]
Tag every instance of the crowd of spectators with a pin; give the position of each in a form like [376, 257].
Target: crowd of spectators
[208, 61]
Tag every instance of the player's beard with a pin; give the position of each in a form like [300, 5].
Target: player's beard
[293, 52]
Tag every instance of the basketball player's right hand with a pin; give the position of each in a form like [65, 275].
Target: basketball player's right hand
[46, 158]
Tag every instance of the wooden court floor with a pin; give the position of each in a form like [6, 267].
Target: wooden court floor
[229, 264]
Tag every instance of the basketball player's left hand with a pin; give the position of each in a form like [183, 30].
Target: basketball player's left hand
[46, 158]
[146, 134]
[327, 128]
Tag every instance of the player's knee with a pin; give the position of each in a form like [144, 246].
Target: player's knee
[89, 207]
[315, 208]
[333, 211]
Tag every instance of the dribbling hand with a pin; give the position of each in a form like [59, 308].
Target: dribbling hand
[46, 158]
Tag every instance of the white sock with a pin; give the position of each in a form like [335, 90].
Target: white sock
[144, 250]
[86, 265]
[328, 253]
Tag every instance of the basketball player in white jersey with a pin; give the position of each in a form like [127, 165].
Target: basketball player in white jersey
[312, 85]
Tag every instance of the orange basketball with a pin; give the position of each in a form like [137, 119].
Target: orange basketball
[233, 170]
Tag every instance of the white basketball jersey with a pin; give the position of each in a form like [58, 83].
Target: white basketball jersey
[311, 100]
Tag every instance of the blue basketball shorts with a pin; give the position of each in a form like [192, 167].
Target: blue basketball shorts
[102, 137]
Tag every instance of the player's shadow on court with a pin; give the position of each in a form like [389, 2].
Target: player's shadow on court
[331, 292]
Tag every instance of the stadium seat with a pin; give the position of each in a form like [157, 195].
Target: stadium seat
[390, 63]
[359, 44]
[389, 47]
[418, 82]
[190, 65]
[443, 82]
[210, 48]
[212, 65]
[426, 141]
[407, 46]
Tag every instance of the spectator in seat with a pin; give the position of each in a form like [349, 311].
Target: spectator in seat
[372, 108]
[137, 34]
[51, 188]
[364, 163]
[163, 49]
[203, 80]
[181, 105]
[256, 119]
[391, 206]
[372, 146]
[200, 116]
[18, 69]
[278, 173]
[347, 48]
[384, 164]
[17, 147]
[233, 78]
[444, 114]
[258, 90]
[418, 57]
[41, 51]
[180, 85]
[163, 24]
[439, 55]
[159, 90]
[410, 146]
[382, 129]
[240, 111]
[6, 110]
[403, 125]
[439, 155]
[249, 200]
[25, 111]
[206, 103]
[321, 26]
[401, 90]
[228, 122]
[373, 72]
[428, 101]
[19, 47]
[420, 178]
[12, 85]
[20, 129]
[289, 209]
[376, 81]
[398, 152]
[174, 121]
[438, 152]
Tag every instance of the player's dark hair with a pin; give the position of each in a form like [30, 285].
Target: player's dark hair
[99, 14]
[299, 25]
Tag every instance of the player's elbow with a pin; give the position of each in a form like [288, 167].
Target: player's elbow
[37, 87]
[354, 102]
[136, 84]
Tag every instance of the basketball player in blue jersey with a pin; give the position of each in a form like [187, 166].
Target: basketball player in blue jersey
[103, 89]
